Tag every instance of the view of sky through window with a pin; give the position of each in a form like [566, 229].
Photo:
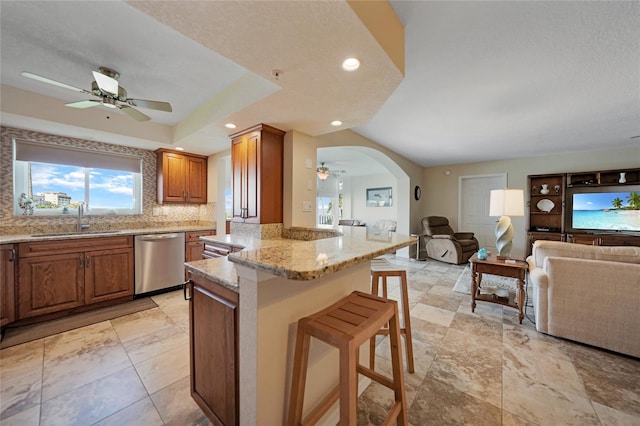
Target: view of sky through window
[108, 189]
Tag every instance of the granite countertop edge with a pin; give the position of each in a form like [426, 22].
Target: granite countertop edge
[293, 273]
[13, 239]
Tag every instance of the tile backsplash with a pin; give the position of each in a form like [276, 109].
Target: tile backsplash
[153, 215]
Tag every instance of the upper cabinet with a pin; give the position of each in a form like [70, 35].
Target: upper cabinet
[182, 177]
[257, 160]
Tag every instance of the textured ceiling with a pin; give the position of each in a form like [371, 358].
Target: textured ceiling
[482, 80]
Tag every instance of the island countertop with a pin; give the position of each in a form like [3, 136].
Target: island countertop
[298, 259]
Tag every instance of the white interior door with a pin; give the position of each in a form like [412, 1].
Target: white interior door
[473, 213]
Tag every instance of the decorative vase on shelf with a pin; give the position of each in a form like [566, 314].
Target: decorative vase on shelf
[545, 189]
[623, 177]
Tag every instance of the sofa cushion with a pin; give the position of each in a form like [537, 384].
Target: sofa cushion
[543, 249]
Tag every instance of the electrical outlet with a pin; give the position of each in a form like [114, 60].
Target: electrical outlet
[165, 211]
[157, 211]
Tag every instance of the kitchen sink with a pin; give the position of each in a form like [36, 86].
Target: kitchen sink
[66, 234]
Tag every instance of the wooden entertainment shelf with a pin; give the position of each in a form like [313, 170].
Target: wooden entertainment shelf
[549, 206]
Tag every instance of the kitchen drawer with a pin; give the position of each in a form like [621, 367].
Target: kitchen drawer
[70, 245]
[194, 236]
[213, 250]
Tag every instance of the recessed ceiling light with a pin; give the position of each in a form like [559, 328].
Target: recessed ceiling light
[336, 123]
[351, 64]
[230, 126]
[179, 148]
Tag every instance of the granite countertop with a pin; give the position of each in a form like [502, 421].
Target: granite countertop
[10, 239]
[298, 259]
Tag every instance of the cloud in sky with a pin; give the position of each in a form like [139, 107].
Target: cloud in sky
[106, 187]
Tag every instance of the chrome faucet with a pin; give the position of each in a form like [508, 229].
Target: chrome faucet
[80, 226]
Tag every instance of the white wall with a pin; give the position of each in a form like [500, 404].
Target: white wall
[440, 191]
[299, 179]
[359, 208]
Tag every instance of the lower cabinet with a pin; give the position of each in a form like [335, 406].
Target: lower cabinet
[194, 246]
[604, 239]
[108, 274]
[50, 284]
[547, 236]
[66, 274]
[8, 259]
[213, 321]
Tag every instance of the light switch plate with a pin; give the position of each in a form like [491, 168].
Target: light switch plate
[308, 164]
[306, 206]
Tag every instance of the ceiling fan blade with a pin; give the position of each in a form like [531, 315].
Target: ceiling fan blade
[106, 83]
[160, 106]
[83, 104]
[134, 113]
[55, 83]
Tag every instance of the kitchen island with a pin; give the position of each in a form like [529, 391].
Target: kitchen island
[244, 312]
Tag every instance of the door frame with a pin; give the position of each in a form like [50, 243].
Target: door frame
[462, 179]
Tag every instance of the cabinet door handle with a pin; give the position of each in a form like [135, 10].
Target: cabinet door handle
[88, 262]
[184, 195]
[12, 255]
[186, 288]
[187, 195]
[81, 260]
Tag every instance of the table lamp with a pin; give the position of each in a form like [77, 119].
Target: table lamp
[505, 203]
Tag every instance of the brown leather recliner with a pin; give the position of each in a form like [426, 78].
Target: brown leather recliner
[441, 243]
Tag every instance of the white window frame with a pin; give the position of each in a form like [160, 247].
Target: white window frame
[88, 159]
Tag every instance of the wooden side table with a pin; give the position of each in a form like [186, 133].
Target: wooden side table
[493, 265]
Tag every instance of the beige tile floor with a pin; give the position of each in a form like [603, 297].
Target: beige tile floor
[473, 369]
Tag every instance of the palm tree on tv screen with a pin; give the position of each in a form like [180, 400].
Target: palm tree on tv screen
[634, 200]
[616, 203]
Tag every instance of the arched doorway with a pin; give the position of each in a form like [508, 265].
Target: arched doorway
[358, 169]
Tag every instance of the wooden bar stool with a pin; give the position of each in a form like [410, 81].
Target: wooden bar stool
[381, 268]
[347, 324]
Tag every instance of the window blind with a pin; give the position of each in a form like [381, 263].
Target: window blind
[68, 156]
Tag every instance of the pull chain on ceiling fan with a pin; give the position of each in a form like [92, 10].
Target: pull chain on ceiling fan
[111, 94]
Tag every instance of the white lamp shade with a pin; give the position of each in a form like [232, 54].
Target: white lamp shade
[506, 202]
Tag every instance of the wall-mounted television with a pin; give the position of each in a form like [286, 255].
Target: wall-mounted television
[604, 209]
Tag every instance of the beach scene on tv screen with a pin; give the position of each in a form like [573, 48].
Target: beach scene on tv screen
[615, 211]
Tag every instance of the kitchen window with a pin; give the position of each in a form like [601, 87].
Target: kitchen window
[56, 180]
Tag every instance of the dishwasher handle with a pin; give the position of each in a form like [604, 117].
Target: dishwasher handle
[157, 237]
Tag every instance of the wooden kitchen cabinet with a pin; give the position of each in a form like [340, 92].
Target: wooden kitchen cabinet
[60, 275]
[257, 177]
[182, 177]
[213, 339]
[8, 259]
[50, 284]
[194, 246]
[108, 274]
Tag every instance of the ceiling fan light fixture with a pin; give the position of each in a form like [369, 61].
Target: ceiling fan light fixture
[336, 123]
[323, 172]
[106, 83]
[230, 126]
[109, 103]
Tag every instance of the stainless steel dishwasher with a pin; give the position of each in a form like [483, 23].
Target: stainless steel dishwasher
[159, 262]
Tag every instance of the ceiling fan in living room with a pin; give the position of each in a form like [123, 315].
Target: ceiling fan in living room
[110, 94]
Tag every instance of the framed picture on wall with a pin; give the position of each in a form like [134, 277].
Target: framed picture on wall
[379, 197]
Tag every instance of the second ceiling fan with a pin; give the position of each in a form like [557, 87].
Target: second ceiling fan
[111, 94]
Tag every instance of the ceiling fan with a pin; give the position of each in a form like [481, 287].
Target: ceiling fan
[111, 94]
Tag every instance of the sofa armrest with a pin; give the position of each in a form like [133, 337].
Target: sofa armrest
[463, 235]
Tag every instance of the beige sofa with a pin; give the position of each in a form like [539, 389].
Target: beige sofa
[589, 294]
